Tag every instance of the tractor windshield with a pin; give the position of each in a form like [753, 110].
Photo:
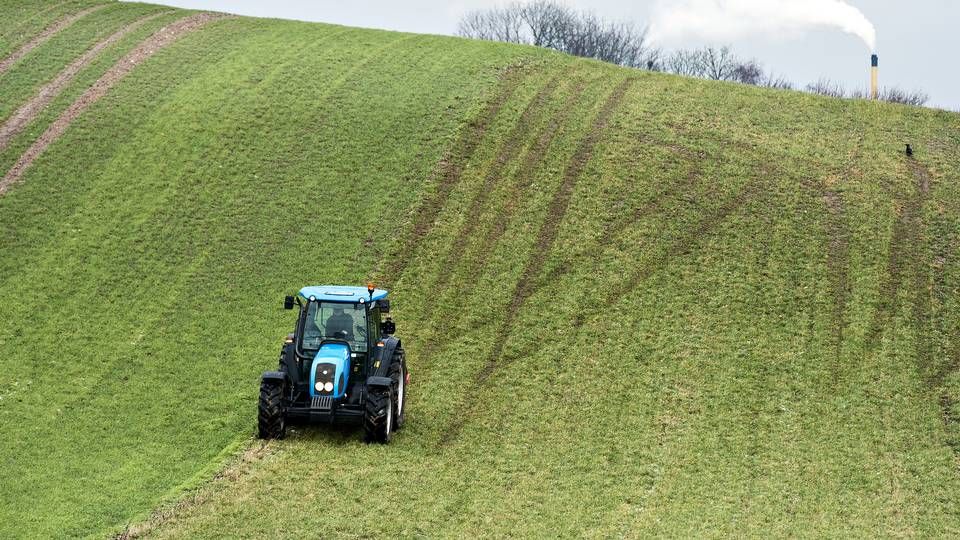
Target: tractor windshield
[334, 320]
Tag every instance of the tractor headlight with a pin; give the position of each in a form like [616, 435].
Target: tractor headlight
[328, 387]
[319, 387]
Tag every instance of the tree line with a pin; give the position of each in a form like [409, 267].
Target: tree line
[548, 24]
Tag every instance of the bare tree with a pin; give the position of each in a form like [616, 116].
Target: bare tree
[495, 24]
[904, 97]
[685, 62]
[718, 64]
[748, 72]
[826, 87]
[770, 80]
[546, 22]
[555, 26]
[752, 72]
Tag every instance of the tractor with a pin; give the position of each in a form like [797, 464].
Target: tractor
[341, 365]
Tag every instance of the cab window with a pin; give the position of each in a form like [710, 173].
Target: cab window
[373, 328]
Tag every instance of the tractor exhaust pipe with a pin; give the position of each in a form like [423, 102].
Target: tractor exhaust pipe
[874, 77]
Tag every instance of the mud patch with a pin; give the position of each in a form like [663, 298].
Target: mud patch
[162, 38]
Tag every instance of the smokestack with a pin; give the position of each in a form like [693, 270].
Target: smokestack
[874, 76]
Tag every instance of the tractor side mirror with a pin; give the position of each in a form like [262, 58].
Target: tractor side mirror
[288, 302]
[384, 305]
[387, 327]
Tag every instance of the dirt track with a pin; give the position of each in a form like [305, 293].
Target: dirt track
[42, 37]
[26, 114]
[162, 38]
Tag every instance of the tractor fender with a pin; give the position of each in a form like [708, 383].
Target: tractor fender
[385, 356]
[288, 358]
[275, 377]
[379, 382]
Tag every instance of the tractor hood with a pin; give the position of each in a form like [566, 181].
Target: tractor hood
[331, 370]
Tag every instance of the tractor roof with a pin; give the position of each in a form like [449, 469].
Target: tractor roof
[341, 293]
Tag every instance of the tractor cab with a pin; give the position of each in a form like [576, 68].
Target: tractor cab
[341, 354]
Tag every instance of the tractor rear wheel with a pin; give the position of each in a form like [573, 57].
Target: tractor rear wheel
[270, 421]
[378, 416]
[398, 372]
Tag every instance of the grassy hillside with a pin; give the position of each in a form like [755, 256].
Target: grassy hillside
[633, 303]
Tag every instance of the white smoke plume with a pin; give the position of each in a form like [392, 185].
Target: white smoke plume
[725, 20]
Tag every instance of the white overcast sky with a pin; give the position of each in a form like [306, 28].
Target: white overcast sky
[918, 40]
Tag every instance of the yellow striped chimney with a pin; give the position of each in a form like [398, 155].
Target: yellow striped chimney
[874, 76]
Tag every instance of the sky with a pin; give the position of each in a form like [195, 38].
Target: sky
[918, 41]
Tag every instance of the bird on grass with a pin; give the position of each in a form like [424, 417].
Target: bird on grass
[909, 151]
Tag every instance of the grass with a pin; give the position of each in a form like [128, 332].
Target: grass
[633, 304]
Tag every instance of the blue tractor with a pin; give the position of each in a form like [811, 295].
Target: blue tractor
[341, 364]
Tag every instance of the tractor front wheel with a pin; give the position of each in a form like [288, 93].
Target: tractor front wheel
[270, 421]
[378, 417]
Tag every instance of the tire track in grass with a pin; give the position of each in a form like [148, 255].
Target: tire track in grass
[528, 168]
[921, 274]
[904, 254]
[449, 171]
[837, 249]
[42, 37]
[652, 206]
[838, 268]
[159, 40]
[524, 289]
[509, 149]
[947, 251]
[29, 111]
[927, 280]
[517, 189]
[239, 466]
[687, 241]
[838, 234]
[680, 247]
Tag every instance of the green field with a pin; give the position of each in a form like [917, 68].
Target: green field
[633, 304]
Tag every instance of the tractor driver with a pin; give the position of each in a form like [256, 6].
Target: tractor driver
[340, 324]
